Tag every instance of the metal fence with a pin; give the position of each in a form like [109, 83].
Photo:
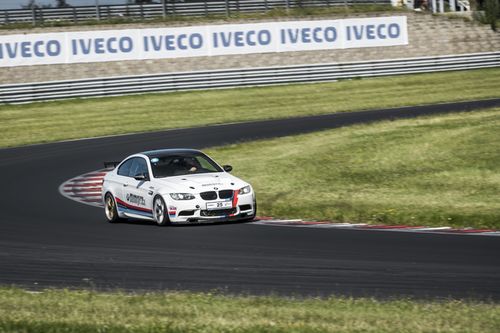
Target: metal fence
[165, 9]
[231, 78]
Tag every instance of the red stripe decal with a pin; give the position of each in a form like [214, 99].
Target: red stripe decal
[235, 198]
[121, 202]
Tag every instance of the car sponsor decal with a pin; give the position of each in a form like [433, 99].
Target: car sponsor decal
[136, 199]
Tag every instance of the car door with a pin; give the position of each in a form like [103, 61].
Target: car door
[121, 179]
[137, 193]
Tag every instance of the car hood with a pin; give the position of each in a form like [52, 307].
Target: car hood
[198, 183]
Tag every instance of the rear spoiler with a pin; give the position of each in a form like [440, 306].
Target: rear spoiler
[110, 165]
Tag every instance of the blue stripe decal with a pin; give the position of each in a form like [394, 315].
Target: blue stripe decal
[124, 209]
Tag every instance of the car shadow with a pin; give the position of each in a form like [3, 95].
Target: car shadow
[184, 225]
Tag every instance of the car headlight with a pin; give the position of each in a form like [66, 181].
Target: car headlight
[182, 196]
[245, 190]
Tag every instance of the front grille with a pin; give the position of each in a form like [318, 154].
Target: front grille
[225, 194]
[210, 195]
[218, 212]
[245, 207]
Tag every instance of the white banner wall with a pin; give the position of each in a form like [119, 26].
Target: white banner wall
[197, 41]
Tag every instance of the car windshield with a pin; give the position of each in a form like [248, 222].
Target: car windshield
[182, 164]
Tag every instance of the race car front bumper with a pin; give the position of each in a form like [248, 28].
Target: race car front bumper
[199, 210]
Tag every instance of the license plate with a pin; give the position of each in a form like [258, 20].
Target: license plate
[219, 205]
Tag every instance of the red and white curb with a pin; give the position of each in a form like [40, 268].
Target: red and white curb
[87, 188]
[363, 226]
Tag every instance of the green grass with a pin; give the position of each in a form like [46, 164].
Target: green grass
[175, 19]
[87, 311]
[79, 118]
[435, 171]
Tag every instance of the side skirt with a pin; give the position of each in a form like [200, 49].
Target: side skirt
[133, 213]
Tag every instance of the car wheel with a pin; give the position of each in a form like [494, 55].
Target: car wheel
[160, 212]
[110, 208]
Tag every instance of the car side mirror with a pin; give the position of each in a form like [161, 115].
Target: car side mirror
[141, 177]
[227, 168]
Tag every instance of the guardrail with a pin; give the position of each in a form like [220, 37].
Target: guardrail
[232, 78]
[168, 8]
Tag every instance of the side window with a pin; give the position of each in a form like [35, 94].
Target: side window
[124, 169]
[138, 167]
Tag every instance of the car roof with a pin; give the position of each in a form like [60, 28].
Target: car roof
[165, 152]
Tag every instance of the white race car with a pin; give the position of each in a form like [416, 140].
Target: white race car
[176, 186]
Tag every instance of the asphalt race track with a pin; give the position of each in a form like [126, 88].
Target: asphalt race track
[47, 240]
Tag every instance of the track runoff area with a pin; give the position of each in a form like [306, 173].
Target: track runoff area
[86, 189]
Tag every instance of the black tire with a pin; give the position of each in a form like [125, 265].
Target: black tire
[160, 211]
[110, 209]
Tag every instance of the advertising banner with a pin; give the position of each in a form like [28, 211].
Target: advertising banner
[199, 41]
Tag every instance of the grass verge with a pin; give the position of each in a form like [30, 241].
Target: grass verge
[87, 311]
[435, 171]
[79, 118]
